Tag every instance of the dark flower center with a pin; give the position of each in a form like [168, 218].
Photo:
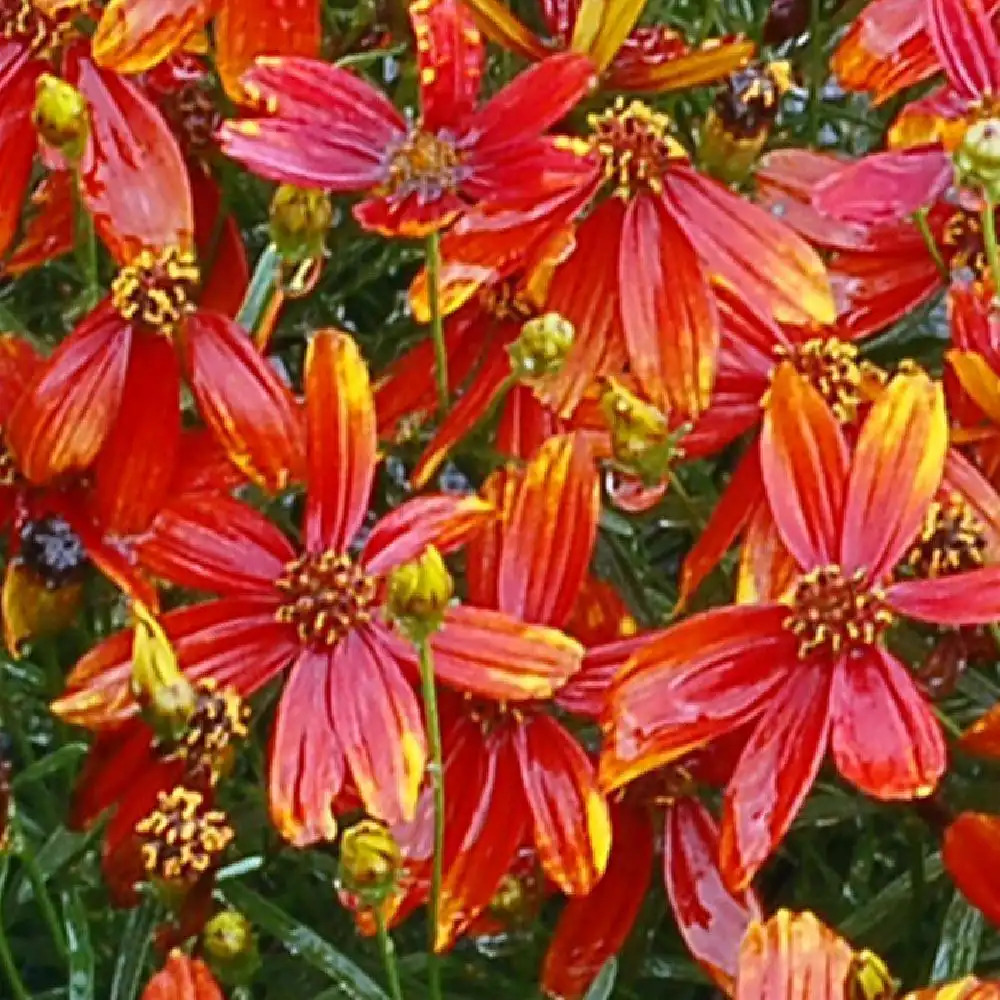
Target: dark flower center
[952, 540]
[43, 34]
[506, 300]
[748, 103]
[53, 551]
[831, 367]
[963, 245]
[218, 721]
[157, 289]
[424, 164]
[832, 613]
[193, 115]
[326, 596]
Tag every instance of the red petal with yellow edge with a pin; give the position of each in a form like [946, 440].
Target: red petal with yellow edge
[412, 216]
[243, 400]
[136, 465]
[977, 377]
[134, 35]
[983, 736]
[717, 59]
[445, 522]
[793, 956]
[203, 466]
[804, 467]
[491, 655]
[183, 978]
[941, 116]
[971, 598]
[586, 693]
[885, 187]
[18, 138]
[48, 231]
[766, 568]
[762, 259]
[896, 469]
[341, 442]
[668, 315]
[497, 22]
[450, 57]
[711, 920]
[971, 852]
[593, 928]
[572, 828]
[19, 364]
[485, 547]
[885, 738]
[132, 175]
[969, 988]
[549, 533]
[734, 509]
[67, 412]
[775, 771]
[234, 640]
[306, 765]
[246, 29]
[217, 544]
[692, 683]
[600, 28]
[966, 45]
[525, 424]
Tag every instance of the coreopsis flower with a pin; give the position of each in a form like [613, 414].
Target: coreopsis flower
[183, 978]
[653, 59]
[323, 127]
[346, 708]
[807, 671]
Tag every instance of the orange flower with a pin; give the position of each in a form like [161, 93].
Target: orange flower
[183, 978]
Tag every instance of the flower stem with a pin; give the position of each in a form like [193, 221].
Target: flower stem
[260, 294]
[437, 784]
[86, 253]
[920, 220]
[437, 324]
[44, 901]
[17, 988]
[990, 239]
[817, 68]
[388, 950]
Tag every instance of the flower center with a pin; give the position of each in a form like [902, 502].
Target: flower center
[507, 300]
[831, 367]
[42, 32]
[219, 719]
[748, 103]
[10, 473]
[832, 613]
[182, 838]
[424, 164]
[157, 289]
[193, 115]
[636, 145]
[952, 540]
[53, 551]
[963, 245]
[493, 715]
[326, 596]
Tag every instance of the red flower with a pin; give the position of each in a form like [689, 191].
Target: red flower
[324, 127]
[346, 708]
[811, 670]
[183, 978]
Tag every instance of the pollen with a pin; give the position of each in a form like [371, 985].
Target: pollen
[326, 596]
[424, 164]
[636, 145]
[832, 613]
[963, 245]
[10, 472]
[157, 289]
[952, 540]
[831, 367]
[43, 32]
[182, 838]
[219, 719]
[506, 300]
[748, 103]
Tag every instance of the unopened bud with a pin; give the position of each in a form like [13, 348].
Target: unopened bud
[641, 439]
[61, 116]
[231, 947]
[542, 347]
[419, 592]
[870, 978]
[300, 220]
[977, 161]
[370, 861]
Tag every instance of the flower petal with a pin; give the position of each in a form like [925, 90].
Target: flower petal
[971, 852]
[586, 692]
[67, 412]
[183, 978]
[601, 28]
[249, 409]
[48, 229]
[341, 441]
[716, 59]
[896, 469]
[966, 43]
[691, 683]
[570, 817]
[803, 460]
[18, 138]
[971, 598]
[885, 737]
[499, 24]
[775, 771]
[134, 35]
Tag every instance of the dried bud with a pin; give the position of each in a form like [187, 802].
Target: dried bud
[870, 978]
[419, 592]
[231, 947]
[370, 861]
[641, 440]
[61, 116]
[977, 161]
[164, 694]
[300, 220]
[542, 347]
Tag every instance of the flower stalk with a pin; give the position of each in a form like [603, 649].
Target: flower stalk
[437, 321]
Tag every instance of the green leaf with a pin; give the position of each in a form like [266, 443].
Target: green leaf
[303, 941]
[262, 285]
[602, 986]
[81, 955]
[961, 935]
[884, 908]
[65, 757]
[132, 952]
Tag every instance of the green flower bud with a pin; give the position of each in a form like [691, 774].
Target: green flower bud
[642, 442]
[977, 161]
[231, 947]
[370, 861]
[542, 348]
[419, 592]
[300, 220]
[61, 116]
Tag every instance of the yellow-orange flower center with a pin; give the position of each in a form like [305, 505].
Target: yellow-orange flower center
[831, 367]
[832, 613]
[218, 721]
[963, 245]
[952, 540]
[42, 32]
[326, 596]
[182, 838]
[425, 165]
[507, 300]
[636, 145]
[157, 290]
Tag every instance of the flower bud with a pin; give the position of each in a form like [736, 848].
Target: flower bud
[542, 347]
[870, 978]
[231, 947]
[641, 440]
[164, 694]
[300, 220]
[977, 161]
[61, 116]
[370, 861]
[419, 592]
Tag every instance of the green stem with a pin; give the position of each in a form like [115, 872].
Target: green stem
[18, 990]
[388, 950]
[709, 20]
[86, 253]
[990, 239]
[437, 324]
[920, 220]
[436, 769]
[263, 285]
[817, 68]
[44, 900]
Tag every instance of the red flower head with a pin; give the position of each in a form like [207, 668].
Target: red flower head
[323, 127]
[346, 708]
[811, 670]
[183, 978]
